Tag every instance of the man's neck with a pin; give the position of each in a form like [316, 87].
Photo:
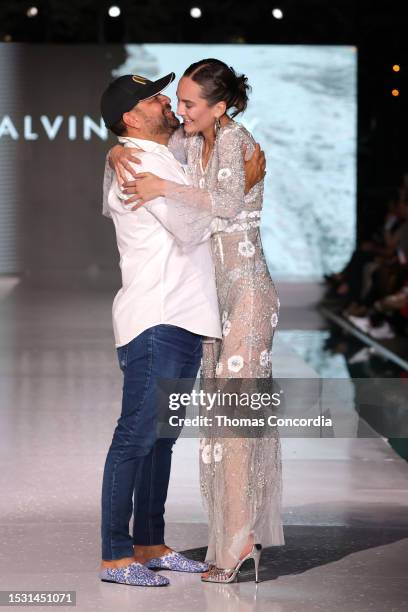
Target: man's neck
[162, 139]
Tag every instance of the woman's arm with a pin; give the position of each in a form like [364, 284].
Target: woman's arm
[235, 178]
[227, 199]
[107, 182]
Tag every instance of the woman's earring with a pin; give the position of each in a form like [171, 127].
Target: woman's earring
[217, 125]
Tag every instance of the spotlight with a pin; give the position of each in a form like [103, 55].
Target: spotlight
[195, 12]
[277, 13]
[32, 11]
[396, 68]
[114, 11]
[395, 93]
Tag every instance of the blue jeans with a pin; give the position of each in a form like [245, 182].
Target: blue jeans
[138, 462]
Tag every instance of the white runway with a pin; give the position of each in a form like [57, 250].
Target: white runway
[345, 501]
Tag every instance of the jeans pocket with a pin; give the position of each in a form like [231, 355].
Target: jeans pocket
[122, 356]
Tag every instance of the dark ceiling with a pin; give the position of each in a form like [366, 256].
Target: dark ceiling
[377, 28]
[305, 21]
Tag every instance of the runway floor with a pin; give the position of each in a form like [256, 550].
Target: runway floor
[345, 500]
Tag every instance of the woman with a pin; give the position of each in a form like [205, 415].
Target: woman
[240, 477]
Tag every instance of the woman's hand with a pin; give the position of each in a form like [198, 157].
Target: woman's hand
[145, 187]
[254, 168]
[119, 160]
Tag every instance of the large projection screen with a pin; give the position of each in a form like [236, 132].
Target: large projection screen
[52, 144]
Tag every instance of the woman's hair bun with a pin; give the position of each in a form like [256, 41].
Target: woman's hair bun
[220, 83]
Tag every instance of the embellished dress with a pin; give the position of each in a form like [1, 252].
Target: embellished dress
[240, 477]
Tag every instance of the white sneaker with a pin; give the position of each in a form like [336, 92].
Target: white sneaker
[362, 323]
[383, 332]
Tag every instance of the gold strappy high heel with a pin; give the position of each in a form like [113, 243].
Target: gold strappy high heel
[216, 574]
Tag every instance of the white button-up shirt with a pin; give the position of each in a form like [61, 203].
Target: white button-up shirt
[167, 268]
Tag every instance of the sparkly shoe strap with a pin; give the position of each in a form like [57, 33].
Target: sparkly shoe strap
[219, 573]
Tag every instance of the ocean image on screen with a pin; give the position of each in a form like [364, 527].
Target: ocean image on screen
[303, 112]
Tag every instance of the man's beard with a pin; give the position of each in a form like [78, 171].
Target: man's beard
[166, 124]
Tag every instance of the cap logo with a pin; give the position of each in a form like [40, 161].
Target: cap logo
[138, 79]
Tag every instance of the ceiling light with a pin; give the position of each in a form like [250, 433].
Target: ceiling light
[114, 11]
[32, 11]
[195, 12]
[277, 13]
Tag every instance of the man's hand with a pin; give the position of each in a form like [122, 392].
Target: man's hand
[119, 160]
[254, 168]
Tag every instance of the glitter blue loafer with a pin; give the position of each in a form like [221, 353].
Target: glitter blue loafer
[134, 574]
[177, 562]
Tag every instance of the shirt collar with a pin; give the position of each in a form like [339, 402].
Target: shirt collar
[146, 145]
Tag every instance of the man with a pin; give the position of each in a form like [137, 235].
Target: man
[167, 303]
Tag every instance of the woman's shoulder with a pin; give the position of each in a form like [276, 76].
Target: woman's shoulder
[179, 141]
[177, 137]
[237, 132]
[235, 137]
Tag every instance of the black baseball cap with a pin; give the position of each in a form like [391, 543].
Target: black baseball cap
[127, 91]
